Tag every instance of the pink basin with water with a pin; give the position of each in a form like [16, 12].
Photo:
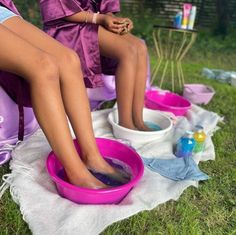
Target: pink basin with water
[167, 101]
[112, 149]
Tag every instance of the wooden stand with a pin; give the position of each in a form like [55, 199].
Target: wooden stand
[171, 46]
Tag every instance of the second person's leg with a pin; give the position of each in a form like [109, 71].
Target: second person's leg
[141, 78]
[131, 75]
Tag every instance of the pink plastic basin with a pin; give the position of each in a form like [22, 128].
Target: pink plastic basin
[112, 149]
[167, 101]
[198, 93]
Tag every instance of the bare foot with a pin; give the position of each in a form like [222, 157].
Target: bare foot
[140, 127]
[99, 164]
[128, 126]
[143, 127]
[85, 179]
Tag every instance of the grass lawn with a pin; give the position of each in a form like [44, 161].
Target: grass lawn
[208, 209]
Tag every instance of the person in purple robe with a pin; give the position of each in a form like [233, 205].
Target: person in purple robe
[104, 45]
[57, 91]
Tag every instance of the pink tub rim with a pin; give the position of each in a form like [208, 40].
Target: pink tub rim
[63, 183]
[190, 87]
[188, 103]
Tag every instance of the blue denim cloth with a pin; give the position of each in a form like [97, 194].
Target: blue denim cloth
[5, 14]
[176, 169]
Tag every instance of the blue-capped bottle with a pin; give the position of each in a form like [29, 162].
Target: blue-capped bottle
[185, 145]
[178, 20]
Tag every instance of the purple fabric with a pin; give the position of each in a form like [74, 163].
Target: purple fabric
[9, 119]
[5, 156]
[16, 122]
[11, 82]
[98, 95]
[12, 85]
[82, 38]
[10, 5]
[15, 86]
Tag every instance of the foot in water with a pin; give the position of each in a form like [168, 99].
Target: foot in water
[83, 179]
[143, 127]
[140, 127]
[128, 126]
[153, 126]
[101, 166]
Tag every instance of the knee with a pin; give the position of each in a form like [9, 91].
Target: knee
[142, 49]
[129, 52]
[69, 59]
[47, 70]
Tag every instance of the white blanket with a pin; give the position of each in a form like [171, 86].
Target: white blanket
[48, 214]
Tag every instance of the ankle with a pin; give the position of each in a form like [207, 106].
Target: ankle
[77, 177]
[128, 125]
[139, 124]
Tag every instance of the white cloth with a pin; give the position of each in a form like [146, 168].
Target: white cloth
[48, 214]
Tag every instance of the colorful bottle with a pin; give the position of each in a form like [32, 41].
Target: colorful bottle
[200, 137]
[185, 145]
[192, 17]
[178, 20]
[186, 12]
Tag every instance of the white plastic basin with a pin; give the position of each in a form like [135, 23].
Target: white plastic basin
[140, 137]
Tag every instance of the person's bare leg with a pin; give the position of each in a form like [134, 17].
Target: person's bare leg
[131, 75]
[115, 46]
[73, 91]
[140, 83]
[41, 71]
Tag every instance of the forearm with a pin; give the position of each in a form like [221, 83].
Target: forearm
[108, 21]
[86, 17]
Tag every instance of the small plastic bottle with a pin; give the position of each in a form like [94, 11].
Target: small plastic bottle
[178, 20]
[200, 137]
[185, 145]
[192, 17]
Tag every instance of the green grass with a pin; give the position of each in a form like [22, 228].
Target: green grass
[208, 209]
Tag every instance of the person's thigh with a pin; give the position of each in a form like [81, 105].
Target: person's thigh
[114, 45]
[131, 38]
[35, 36]
[17, 55]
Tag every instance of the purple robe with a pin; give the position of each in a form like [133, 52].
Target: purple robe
[81, 37]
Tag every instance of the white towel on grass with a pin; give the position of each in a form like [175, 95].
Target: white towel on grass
[48, 214]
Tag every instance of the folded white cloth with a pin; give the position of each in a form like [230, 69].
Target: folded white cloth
[49, 214]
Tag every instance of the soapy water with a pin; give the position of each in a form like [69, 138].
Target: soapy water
[110, 180]
[153, 126]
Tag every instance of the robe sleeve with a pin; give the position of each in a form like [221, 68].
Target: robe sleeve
[58, 9]
[109, 6]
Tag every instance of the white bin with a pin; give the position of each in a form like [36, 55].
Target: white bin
[141, 137]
